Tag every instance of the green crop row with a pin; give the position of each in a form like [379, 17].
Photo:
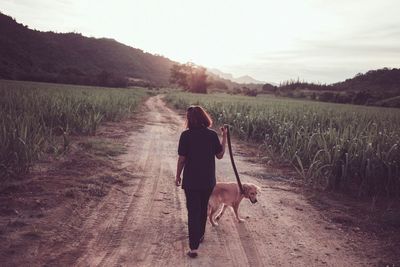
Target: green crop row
[35, 116]
[346, 147]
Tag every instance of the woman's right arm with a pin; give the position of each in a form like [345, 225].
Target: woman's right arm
[182, 152]
[179, 168]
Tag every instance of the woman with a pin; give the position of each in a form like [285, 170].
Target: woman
[198, 147]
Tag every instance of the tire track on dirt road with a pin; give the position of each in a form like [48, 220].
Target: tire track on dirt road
[149, 182]
[114, 212]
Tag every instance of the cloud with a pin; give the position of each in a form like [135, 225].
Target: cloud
[328, 59]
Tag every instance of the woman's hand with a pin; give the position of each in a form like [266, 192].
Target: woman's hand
[179, 168]
[224, 131]
[178, 181]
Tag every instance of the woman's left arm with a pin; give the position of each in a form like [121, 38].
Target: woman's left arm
[224, 132]
[179, 168]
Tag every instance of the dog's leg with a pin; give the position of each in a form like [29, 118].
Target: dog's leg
[221, 212]
[211, 215]
[236, 210]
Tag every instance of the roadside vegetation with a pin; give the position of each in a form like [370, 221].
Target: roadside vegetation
[332, 146]
[37, 118]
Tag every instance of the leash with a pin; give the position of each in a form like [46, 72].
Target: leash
[228, 135]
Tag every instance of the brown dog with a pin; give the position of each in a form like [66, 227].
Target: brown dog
[228, 194]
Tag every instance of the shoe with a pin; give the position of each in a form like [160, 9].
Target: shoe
[192, 254]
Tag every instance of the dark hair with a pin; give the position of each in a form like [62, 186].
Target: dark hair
[197, 117]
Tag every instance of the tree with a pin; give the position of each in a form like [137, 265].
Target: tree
[105, 78]
[219, 85]
[190, 77]
[326, 97]
[179, 75]
[198, 81]
[249, 92]
[361, 97]
[269, 88]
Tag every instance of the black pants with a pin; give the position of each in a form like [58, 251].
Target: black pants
[197, 204]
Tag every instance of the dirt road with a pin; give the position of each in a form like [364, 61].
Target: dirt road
[145, 223]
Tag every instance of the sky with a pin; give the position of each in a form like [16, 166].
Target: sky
[273, 41]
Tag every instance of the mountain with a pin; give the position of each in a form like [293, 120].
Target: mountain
[241, 80]
[221, 74]
[224, 84]
[247, 79]
[27, 54]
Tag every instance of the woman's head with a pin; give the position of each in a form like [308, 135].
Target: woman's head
[197, 117]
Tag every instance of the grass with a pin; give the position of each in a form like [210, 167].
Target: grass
[104, 148]
[337, 146]
[36, 117]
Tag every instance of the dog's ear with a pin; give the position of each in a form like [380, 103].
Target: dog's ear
[245, 188]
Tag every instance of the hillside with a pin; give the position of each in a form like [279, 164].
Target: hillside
[376, 87]
[380, 80]
[374, 80]
[27, 54]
